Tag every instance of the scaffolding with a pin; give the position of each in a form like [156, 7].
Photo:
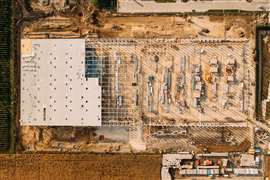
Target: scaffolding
[124, 66]
[111, 66]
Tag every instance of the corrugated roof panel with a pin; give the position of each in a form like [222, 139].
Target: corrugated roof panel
[54, 89]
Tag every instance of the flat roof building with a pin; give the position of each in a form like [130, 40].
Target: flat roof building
[54, 88]
[152, 6]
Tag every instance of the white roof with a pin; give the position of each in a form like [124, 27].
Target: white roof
[246, 171]
[151, 6]
[230, 78]
[214, 154]
[54, 90]
[165, 175]
[214, 69]
[247, 160]
[231, 61]
[213, 60]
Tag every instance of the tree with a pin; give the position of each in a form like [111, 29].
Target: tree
[95, 2]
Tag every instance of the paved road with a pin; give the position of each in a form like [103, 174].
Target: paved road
[139, 6]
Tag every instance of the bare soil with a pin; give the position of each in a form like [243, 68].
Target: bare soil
[266, 66]
[79, 166]
[267, 166]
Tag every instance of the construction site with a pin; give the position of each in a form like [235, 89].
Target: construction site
[109, 81]
[162, 88]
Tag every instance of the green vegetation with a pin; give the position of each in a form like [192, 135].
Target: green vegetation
[5, 38]
[107, 4]
[95, 2]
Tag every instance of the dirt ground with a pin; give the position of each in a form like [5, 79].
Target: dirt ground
[267, 166]
[79, 166]
[181, 27]
[222, 178]
[266, 71]
[266, 66]
[144, 27]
